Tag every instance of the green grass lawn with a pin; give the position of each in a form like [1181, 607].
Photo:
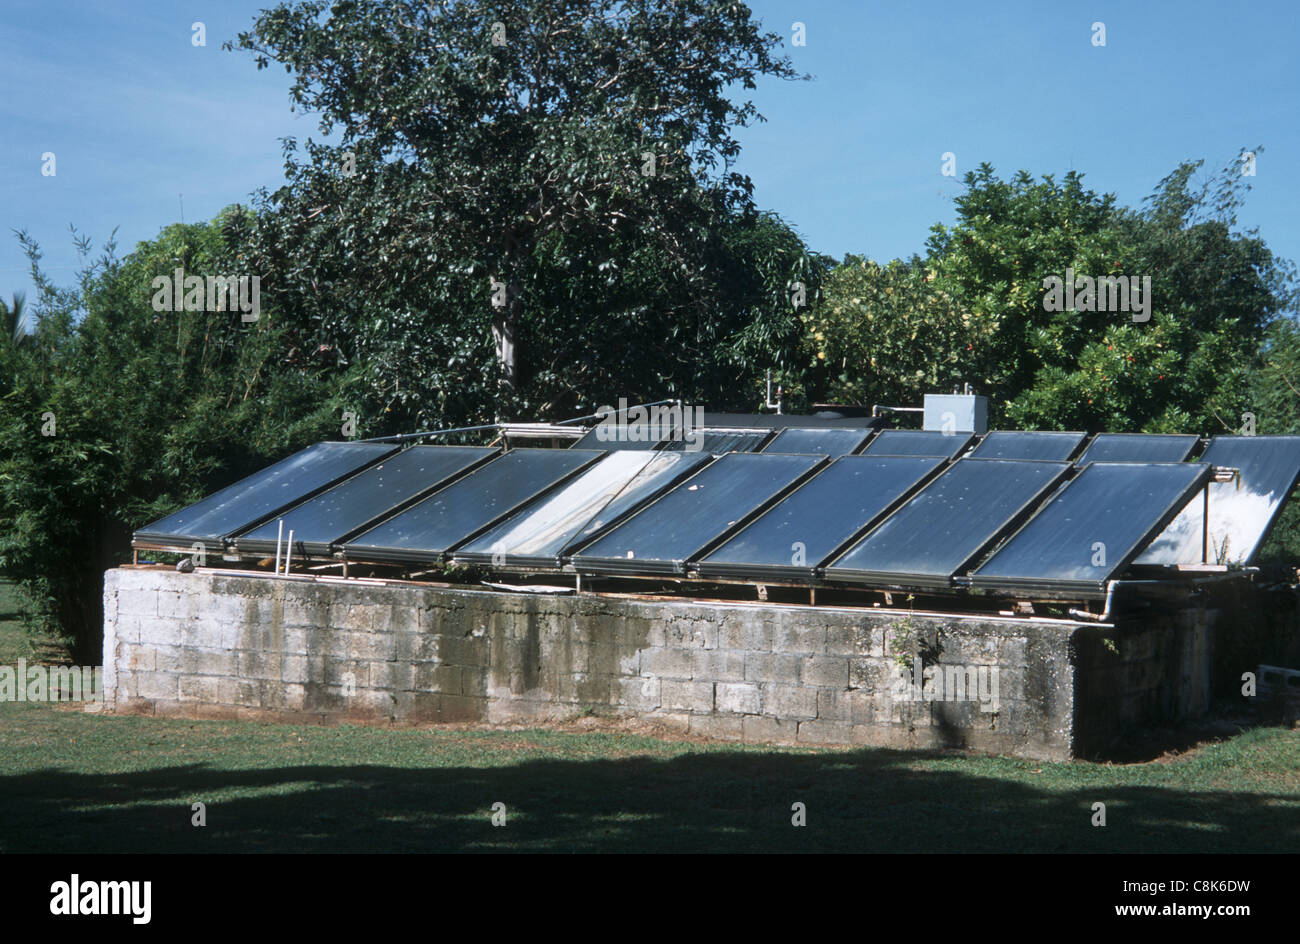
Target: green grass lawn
[71, 781]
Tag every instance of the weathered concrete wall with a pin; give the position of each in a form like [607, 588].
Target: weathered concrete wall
[224, 646]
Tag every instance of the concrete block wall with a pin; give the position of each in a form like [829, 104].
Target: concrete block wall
[218, 645]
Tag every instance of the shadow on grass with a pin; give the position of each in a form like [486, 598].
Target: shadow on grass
[857, 801]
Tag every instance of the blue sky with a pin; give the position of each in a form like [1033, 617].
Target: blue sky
[139, 118]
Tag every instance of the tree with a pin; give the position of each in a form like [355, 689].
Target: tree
[490, 154]
[1213, 291]
[12, 318]
[884, 334]
[117, 414]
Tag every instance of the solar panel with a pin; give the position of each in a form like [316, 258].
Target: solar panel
[1138, 447]
[451, 515]
[363, 499]
[688, 520]
[913, 442]
[635, 436]
[717, 441]
[830, 441]
[1093, 527]
[1012, 444]
[949, 523]
[1241, 513]
[262, 494]
[598, 496]
[803, 529]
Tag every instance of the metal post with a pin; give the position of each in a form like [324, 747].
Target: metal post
[279, 536]
[288, 554]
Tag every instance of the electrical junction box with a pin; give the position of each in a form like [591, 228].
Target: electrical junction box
[956, 412]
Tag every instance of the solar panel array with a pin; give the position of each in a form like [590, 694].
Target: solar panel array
[1014, 512]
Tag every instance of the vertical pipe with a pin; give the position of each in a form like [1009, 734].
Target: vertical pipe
[1205, 525]
[288, 553]
[279, 535]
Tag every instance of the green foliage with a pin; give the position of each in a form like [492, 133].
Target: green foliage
[116, 414]
[1275, 401]
[532, 208]
[884, 334]
[974, 309]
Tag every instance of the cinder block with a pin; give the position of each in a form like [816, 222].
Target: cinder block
[155, 685]
[718, 665]
[731, 633]
[199, 688]
[667, 663]
[637, 694]
[758, 636]
[238, 692]
[431, 677]
[209, 662]
[772, 667]
[825, 671]
[862, 708]
[687, 696]
[370, 647]
[691, 634]
[797, 638]
[834, 706]
[137, 658]
[759, 729]
[841, 641]
[156, 632]
[789, 702]
[868, 674]
[740, 697]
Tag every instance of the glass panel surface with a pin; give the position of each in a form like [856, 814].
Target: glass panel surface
[450, 515]
[1091, 528]
[1138, 447]
[818, 442]
[718, 441]
[812, 522]
[596, 496]
[338, 511]
[915, 442]
[625, 437]
[690, 517]
[1009, 444]
[1241, 513]
[263, 493]
[950, 521]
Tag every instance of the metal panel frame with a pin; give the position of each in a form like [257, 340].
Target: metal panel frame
[319, 549]
[529, 562]
[617, 566]
[903, 580]
[161, 540]
[866, 436]
[1091, 588]
[1191, 447]
[379, 554]
[810, 572]
[963, 440]
[1079, 440]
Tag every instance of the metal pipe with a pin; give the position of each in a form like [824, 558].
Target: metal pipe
[288, 554]
[403, 437]
[876, 409]
[279, 535]
[1205, 524]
